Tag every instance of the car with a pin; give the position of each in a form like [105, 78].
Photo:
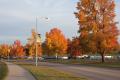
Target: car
[30, 58]
[82, 57]
[95, 57]
[63, 57]
[40, 58]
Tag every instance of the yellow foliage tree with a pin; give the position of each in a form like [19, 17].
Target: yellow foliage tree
[56, 42]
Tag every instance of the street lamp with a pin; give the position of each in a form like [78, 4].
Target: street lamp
[36, 38]
[36, 59]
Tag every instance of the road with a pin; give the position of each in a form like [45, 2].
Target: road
[92, 73]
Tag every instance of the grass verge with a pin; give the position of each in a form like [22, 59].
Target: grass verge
[46, 73]
[113, 65]
[95, 63]
[3, 70]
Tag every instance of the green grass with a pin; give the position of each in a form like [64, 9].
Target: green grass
[74, 61]
[3, 70]
[46, 73]
[94, 63]
[114, 65]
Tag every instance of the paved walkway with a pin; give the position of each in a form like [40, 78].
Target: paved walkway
[18, 73]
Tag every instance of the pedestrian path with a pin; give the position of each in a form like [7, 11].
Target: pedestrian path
[16, 72]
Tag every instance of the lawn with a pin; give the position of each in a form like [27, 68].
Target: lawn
[113, 65]
[3, 70]
[95, 63]
[74, 61]
[46, 73]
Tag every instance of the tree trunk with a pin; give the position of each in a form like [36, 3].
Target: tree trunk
[103, 58]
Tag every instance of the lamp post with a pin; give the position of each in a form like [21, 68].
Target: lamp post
[36, 39]
[36, 55]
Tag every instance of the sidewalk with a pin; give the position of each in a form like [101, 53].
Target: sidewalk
[18, 73]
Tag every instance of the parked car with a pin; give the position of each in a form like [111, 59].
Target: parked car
[30, 58]
[63, 57]
[108, 57]
[95, 57]
[99, 57]
[82, 57]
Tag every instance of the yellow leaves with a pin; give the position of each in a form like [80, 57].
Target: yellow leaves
[49, 41]
[33, 35]
[4, 50]
[32, 44]
[95, 27]
[109, 44]
[56, 41]
[94, 14]
[104, 44]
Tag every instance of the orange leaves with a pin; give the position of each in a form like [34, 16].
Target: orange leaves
[18, 49]
[56, 42]
[95, 28]
[75, 47]
[15, 50]
[98, 31]
[82, 16]
[84, 34]
[111, 43]
[85, 3]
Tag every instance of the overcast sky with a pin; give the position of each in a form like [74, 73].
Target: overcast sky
[17, 18]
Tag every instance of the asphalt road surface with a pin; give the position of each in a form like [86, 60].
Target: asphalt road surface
[91, 73]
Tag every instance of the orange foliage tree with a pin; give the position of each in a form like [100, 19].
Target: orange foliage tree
[17, 49]
[98, 31]
[55, 42]
[4, 50]
[74, 48]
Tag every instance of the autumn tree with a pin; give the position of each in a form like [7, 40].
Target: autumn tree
[55, 42]
[74, 48]
[17, 49]
[69, 48]
[98, 31]
[31, 45]
[45, 49]
[4, 50]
